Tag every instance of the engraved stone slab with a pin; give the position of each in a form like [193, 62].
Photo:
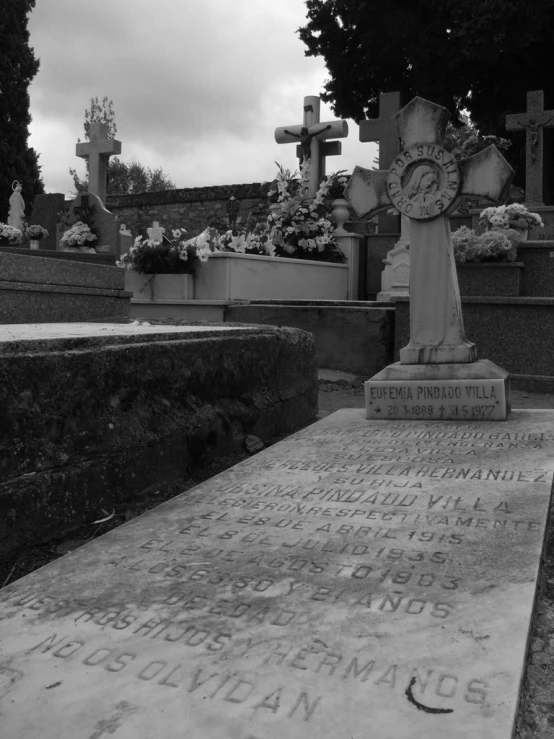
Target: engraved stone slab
[357, 579]
[478, 391]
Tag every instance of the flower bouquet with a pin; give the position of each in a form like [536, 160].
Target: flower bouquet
[151, 257]
[34, 233]
[77, 236]
[10, 233]
[514, 216]
[303, 228]
[492, 246]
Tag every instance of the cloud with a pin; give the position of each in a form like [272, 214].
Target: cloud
[198, 86]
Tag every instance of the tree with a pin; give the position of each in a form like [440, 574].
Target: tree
[477, 55]
[18, 67]
[123, 178]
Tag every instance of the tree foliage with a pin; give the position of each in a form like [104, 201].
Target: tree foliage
[478, 55]
[123, 178]
[18, 67]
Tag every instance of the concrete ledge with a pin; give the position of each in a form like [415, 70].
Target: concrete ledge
[85, 426]
[352, 337]
[45, 271]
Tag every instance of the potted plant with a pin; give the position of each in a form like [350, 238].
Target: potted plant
[78, 238]
[514, 216]
[170, 265]
[10, 234]
[35, 233]
[486, 263]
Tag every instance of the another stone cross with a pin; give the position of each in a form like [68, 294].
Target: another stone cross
[98, 150]
[156, 232]
[533, 122]
[311, 134]
[384, 131]
[423, 183]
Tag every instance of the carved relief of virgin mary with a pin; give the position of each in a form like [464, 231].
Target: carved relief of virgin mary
[423, 184]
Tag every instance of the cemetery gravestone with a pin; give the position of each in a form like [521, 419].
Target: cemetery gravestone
[46, 210]
[356, 579]
[89, 207]
[438, 365]
[384, 130]
[156, 232]
[97, 151]
[395, 279]
[311, 135]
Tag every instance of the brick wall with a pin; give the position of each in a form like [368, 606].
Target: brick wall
[193, 208]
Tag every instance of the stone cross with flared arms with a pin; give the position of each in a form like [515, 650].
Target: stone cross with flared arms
[98, 150]
[423, 183]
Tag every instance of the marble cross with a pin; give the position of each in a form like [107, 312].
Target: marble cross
[384, 130]
[423, 184]
[533, 122]
[311, 134]
[98, 150]
[156, 232]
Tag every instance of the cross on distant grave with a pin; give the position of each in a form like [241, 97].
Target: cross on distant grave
[423, 183]
[156, 232]
[534, 121]
[384, 130]
[311, 134]
[98, 150]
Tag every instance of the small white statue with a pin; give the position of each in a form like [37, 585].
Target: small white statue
[16, 214]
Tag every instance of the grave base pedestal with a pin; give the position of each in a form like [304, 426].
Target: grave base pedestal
[468, 392]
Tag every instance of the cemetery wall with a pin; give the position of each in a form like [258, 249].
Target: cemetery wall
[193, 208]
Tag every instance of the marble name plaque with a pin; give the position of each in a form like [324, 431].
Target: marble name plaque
[357, 579]
[464, 400]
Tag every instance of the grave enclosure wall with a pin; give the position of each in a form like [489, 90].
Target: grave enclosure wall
[193, 208]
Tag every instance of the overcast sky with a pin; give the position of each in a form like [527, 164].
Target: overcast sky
[198, 86]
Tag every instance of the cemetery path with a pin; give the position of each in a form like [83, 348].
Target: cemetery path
[341, 390]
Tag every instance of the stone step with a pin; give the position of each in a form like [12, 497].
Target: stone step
[99, 258]
[358, 574]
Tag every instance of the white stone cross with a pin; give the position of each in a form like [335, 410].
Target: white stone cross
[98, 150]
[311, 135]
[156, 232]
[423, 183]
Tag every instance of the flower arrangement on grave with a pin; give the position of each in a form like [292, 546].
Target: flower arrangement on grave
[34, 232]
[78, 235]
[180, 256]
[302, 228]
[491, 246]
[255, 240]
[10, 233]
[513, 216]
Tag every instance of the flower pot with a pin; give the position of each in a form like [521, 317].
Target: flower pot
[160, 287]
[34, 244]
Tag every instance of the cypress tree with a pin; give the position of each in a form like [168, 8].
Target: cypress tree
[18, 67]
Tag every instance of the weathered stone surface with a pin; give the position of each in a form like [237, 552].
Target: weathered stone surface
[82, 257]
[475, 392]
[90, 420]
[356, 338]
[37, 270]
[490, 279]
[345, 581]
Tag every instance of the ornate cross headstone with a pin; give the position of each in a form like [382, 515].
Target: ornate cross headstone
[156, 232]
[384, 131]
[533, 122]
[311, 134]
[98, 150]
[423, 183]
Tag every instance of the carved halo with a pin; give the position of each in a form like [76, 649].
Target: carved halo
[423, 181]
[15, 184]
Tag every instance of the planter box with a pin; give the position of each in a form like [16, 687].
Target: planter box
[228, 276]
[490, 279]
[159, 287]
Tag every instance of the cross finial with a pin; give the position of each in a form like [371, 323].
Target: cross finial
[533, 122]
[98, 150]
[311, 134]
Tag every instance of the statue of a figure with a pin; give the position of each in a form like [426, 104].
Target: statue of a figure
[533, 127]
[16, 214]
[305, 140]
